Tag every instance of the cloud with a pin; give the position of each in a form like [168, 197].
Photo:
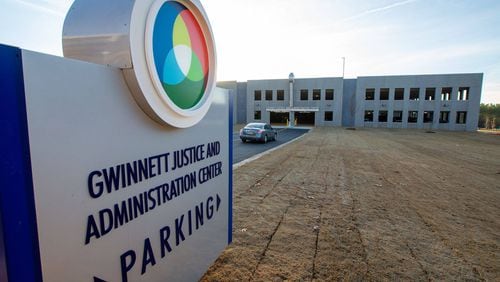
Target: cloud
[43, 6]
[450, 52]
[380, 9]
[491, 93]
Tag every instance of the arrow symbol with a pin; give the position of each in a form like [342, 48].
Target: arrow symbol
[218, 203]
[96, 279]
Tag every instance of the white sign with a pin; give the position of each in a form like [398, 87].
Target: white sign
[119, 197]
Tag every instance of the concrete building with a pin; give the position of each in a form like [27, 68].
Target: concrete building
[445, 102]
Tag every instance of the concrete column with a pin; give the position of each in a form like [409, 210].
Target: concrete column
[291, 80]
[292, 119]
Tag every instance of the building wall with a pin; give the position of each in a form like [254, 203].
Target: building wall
[350, 104]
[241, 103]
[422, 82]
[322, 84]
[323, 105]
[232, 86]
[262, 104]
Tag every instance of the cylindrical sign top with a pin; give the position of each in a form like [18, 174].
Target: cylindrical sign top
[164, 47]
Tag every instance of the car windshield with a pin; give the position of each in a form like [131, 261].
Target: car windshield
[255, 125]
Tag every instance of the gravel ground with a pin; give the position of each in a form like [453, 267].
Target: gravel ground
[369, 204]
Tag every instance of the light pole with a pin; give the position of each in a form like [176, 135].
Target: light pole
[343, 67]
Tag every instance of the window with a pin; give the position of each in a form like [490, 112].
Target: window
[430, 94]
[428, 116]
[397, 116]
[446, 93]
[304, 94]
[382, 116]
[316, 94]
[384, 94]
[461, 117]
[412, 116]
[370, 94]
[369, 116]
[444, 117]
[257, 115]
[414, 94]
[328, 116]
[280, 95]
[269, 95]
[329, 94]
[257, 95]
[463, 93]
[399, 94]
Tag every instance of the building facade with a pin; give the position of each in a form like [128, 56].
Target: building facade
[441, 102]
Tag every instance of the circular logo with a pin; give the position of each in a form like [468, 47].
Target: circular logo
[180, 55]
[180, 58]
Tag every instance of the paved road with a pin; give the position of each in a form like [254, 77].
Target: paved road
[243, 151]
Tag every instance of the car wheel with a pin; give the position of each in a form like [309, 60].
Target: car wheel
[265, 139]
[243, 140]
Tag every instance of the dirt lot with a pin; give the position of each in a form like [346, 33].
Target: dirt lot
[368, 205]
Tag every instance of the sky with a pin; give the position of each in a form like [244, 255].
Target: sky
[267, 39]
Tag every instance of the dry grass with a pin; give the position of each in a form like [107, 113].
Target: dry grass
[368, 205]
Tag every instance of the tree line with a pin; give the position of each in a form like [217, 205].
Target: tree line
[489, 116]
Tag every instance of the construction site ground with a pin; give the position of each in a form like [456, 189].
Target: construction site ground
[368, 205]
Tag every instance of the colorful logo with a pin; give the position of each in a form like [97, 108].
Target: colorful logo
[180, 55]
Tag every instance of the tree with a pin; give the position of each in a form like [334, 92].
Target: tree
[489, 114]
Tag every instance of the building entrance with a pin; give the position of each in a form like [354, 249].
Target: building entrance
[305, 118]
[279, 118]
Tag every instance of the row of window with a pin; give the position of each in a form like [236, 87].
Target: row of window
[257, 115]
[428, 116]
[280, 95]
[430, 94]
[304, 95]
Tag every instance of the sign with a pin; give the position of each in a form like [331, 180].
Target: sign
[114, 195]
[120, 170]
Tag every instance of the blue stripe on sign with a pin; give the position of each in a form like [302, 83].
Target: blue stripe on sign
[17, 204]
[230, 136]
